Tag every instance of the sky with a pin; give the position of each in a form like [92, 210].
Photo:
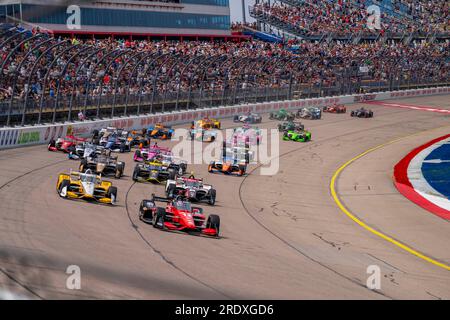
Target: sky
[236, 10]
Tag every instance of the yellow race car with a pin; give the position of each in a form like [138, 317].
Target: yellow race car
[87, 186]
[208, 123]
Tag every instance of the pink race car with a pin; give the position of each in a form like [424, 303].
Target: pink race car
[245, 135]
[66, 144]
[146, 154]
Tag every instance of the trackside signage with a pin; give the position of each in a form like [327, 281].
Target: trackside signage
[24, 136]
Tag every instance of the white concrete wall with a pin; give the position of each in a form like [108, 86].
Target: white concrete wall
[31, 135]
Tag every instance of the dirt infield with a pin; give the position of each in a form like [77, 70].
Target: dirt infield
[283, 236]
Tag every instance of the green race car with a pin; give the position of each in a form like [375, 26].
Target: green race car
[298, 136]
[290, 126]
[282, 115]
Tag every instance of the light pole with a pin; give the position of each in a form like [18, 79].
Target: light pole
[244, 18]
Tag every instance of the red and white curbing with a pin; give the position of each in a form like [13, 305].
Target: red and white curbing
[410, 182]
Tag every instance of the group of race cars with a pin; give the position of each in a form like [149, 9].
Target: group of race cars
[295, 131]
[158, 165]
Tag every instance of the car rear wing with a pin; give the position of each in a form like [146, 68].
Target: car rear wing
[160, 199]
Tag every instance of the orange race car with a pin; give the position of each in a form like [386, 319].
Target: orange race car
[228, 165]
[159, 131]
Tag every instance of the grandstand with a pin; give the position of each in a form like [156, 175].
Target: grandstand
[158, 19]
[354, 20]
[49, 78]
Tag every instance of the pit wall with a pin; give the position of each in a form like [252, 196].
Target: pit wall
[42, 134]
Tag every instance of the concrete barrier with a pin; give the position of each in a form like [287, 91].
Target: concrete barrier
[42, 134]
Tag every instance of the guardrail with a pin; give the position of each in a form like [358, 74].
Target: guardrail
[42, 134]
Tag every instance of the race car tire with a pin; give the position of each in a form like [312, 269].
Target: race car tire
[51, 144]
[138, 154]
[170, 192]
[210, 168]
[183, 166]
[83, 165]
[136, 172]
[95, 134]
[212, 197]
[145, 216]
[158, 218]
[213, 222]
[247, 157]
[352, 114]
[236, 118]
[112, 194]
[65, 184]
[172, 174]
[119, 170]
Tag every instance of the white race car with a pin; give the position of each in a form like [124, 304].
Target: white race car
[192, 189]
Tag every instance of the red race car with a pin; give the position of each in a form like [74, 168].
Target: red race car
[66, 144]
[179, 215]
[335, 109]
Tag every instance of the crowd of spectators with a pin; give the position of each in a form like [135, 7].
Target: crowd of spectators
[50, 68]
[432, 15]
[351, 17]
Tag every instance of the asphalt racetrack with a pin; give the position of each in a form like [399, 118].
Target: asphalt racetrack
[283, 236]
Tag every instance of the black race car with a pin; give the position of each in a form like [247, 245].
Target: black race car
[362, 113]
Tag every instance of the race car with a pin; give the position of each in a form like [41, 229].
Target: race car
[207, 123]
[362, 113]
[171, 162]
[228, 165]
[245, 135]
[66, 144]
[241, 153]
[159, 131]
[147, 154]
[103, 164]
[139, 138]
[311, 113]
[335, 109]
[86, 186]
[192, 189]
[85, 149]
[117, 142]
[248, 118]
[298, 136]
[153, 172]
[178, 215]
[291, 125]
[282, 115]
[202, 134]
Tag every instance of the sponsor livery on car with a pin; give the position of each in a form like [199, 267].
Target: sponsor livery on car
[192, 189]
[179, 215]
[86, 186]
